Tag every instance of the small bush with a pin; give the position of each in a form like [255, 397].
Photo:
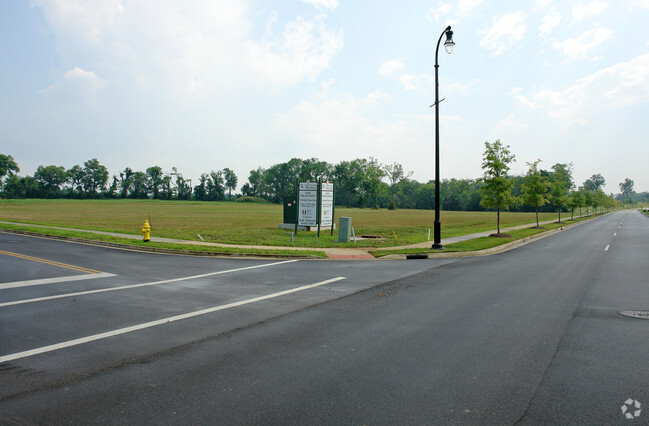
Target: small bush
[257, 200]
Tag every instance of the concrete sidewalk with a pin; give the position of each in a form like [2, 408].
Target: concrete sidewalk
[331, 252]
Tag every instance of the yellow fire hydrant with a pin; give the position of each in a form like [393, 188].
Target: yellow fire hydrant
[146, 231]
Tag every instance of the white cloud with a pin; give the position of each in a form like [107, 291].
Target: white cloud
[589, 10]
[640, 3]
[452, 13]
[77, 88]
[442, 9]
[510, 123]
[550, 22]
[623, 84]
[323, 4]
[578, 48]
[377, 97]
[504, 33]
[305, 49]
[388, 68]
[409, 81]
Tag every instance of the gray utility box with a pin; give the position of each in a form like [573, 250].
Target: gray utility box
[344, 229]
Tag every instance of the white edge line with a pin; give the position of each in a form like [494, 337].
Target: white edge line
[75, 342]
[55, 280]
[125, 287]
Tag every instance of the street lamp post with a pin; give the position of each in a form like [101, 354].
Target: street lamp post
[448, 45]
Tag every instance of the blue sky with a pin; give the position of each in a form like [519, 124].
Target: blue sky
[203, 85]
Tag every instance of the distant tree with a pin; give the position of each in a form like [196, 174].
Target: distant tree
[8, 167]
[347, 180]
[200, 190]
[496, 192]
[595, 182]
[628, 193]
[395, 174]
[111, 192]
[215, 186]
[50, 179]
[75, 178]
[183, 187]
[139, 188]
[313, 169]
[95, 176]
[154, 180]
[561, 181]
[126, 182]
[370, 173]
[230, 181]
[535, 188]
[21, 187]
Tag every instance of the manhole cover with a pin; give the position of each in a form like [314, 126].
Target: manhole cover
[636, 314]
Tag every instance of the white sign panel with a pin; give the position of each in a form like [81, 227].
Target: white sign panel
[308, 204]
[327, 204]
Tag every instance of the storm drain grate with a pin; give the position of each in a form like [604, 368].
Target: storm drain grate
[636, 314]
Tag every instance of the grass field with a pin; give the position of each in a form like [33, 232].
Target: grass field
[249, 224]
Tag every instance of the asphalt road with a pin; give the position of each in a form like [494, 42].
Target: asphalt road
[529, 336]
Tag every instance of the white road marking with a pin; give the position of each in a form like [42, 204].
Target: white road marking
[55, 280]
[615, 233]
[75, 342]
[608, 246]
[126, 287]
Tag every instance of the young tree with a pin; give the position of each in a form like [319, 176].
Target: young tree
[535, 188]
[496, 192]
[561, 181]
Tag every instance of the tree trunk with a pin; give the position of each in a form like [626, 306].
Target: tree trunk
[537, 217]
[498, 221]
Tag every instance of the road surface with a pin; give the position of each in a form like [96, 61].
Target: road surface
[529, 336]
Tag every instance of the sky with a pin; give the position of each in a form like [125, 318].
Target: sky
[204, 85]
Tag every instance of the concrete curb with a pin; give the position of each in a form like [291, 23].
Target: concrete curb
[494, 250]
[161, 250]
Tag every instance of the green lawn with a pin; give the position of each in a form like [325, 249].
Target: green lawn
[250, 224]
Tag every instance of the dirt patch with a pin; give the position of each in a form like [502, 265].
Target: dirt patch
[501, 235]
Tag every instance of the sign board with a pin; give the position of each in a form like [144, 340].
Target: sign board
[307, 214]
[327, 204]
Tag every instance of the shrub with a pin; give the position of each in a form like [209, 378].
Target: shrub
[257, 200]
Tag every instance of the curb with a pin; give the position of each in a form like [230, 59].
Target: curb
[161, 250]
[486, 252]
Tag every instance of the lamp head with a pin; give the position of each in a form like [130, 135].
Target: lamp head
[449, 44]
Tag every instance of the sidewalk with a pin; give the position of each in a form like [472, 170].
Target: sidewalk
[331, 252]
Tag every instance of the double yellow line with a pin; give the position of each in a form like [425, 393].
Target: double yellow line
[50, 262]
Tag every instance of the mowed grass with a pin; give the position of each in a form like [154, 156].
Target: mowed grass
[249, 224]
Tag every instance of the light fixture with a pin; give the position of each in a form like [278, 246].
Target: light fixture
[449, 44]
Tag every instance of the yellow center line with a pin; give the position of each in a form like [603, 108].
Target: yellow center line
[50, 262]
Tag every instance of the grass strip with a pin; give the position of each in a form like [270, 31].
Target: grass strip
[159, 246]
[482, 243]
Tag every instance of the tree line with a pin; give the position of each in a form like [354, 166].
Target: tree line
[93, 181]
[358, 183]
